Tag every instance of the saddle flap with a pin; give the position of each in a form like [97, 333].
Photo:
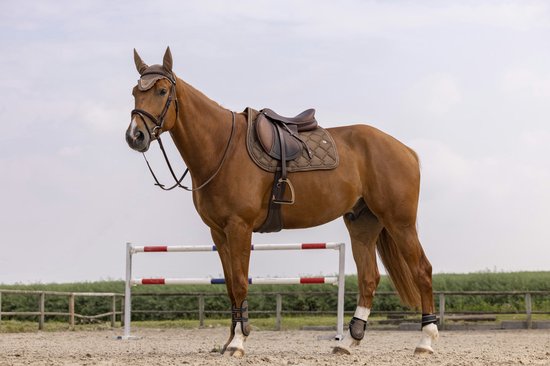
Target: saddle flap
[269, 139]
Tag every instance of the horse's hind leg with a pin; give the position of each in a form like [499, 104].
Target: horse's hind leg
[364, 229]
[406, 239]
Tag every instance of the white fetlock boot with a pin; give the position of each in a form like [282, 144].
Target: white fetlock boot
[236, 347]
[429, 334]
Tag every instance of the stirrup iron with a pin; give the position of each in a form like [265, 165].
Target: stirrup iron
[282, 201]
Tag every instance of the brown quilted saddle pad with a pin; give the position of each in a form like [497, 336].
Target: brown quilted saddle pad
[320, 142]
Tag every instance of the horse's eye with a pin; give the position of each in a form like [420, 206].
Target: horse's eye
[163, 91]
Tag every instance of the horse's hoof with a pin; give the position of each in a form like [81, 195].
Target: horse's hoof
[235, 352]
[338, 350]
[423, 351]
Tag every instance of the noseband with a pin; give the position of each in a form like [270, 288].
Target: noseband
[157, 130]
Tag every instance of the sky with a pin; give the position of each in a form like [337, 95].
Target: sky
[466, 84]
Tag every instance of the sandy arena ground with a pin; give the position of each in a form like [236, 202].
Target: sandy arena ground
[194, 347]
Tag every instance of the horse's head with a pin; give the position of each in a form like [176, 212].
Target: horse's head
[155, 102]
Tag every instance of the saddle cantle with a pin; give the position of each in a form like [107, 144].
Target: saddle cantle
[278, 135]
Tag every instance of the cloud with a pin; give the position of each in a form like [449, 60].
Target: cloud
[104, 118]
[527, 83]
[479, 124]
[434, 95]
[359, 18]
[535, 140]
[70, 151]
[493, 206]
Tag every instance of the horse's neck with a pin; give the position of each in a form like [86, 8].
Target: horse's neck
[201, 131]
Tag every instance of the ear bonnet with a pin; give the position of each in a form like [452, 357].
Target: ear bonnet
[151, 74]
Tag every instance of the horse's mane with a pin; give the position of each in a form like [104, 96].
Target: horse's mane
[197, 95]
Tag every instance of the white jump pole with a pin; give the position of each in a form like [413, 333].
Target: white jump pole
[128, 292]
[338, 281]
[341, 291]
[221, 281]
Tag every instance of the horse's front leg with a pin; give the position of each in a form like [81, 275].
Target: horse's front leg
[223, 251]
[239, 236]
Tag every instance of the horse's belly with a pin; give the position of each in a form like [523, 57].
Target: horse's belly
[320, 198]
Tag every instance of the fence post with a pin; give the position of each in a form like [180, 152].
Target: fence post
[41, 306]
[278, 310]
[528, 310]
[201, 311]
[71, 311]
[442, 311]
[113, 309]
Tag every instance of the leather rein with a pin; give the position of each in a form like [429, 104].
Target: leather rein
[157, 130]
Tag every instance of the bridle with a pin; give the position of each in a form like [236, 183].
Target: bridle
[155, 133]
[158, 121]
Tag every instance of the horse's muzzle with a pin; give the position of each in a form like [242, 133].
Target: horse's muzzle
[137, 140]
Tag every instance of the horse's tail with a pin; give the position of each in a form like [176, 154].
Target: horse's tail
[398, 269]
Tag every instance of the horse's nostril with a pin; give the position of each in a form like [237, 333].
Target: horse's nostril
[139, 136]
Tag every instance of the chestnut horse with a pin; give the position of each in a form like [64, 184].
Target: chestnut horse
[375, 189]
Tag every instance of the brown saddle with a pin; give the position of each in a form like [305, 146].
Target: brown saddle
[279, 138]
[278, 135]
[281, 135]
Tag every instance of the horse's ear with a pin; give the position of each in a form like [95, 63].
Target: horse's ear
[167, 61]
[140, 65]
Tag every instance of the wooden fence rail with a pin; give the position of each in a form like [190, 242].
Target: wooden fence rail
[71, 314]
[441, 296]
